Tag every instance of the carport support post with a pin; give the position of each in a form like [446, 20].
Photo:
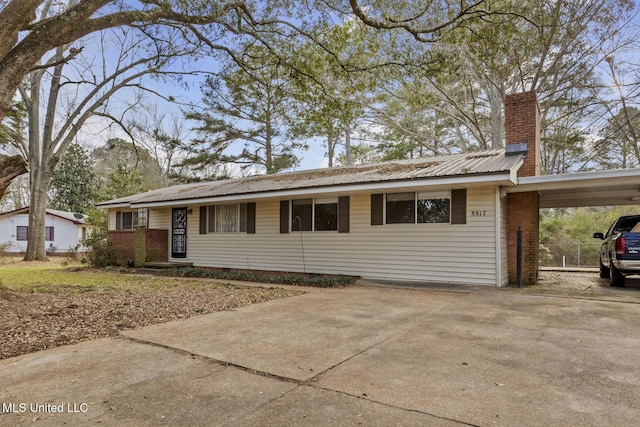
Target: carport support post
[523, 214]
[522, 125]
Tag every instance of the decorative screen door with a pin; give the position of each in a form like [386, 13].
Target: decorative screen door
[179, 233]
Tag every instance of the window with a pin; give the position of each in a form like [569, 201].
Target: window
[126, 220]
[48, 234]
[314, 215]
[401, 208]
[326, 215]
[421, 208]
[22, 232]
[227, 218]
[434, 207]
[322, 214]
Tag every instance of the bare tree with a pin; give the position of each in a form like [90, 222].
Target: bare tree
[33, 29]
[61, 99]
[162, 135]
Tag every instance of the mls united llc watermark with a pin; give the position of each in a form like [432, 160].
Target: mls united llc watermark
[39, 408]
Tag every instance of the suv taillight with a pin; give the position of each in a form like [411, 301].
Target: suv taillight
[621, 245]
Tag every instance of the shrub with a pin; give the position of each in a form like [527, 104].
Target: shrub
[295, 279]
[100, 251]
[4, 248]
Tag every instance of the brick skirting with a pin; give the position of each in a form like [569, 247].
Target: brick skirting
[153, 245]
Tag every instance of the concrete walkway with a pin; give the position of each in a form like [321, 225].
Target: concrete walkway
[369, 356]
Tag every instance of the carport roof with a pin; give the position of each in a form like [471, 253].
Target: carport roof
[601, 188]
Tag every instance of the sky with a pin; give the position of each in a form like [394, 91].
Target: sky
[98, 130]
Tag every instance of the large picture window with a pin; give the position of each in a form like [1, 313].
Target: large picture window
[421, 208]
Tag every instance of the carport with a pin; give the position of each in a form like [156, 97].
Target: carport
[580, 189]
[601, 188]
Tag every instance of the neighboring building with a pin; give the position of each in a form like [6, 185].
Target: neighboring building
[446, 219]
[64, 231]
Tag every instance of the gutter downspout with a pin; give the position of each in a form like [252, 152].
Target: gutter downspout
[498, 235]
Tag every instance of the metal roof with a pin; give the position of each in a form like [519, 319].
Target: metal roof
[454, 165]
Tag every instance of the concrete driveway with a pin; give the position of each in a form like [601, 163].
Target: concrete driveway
[365, 356]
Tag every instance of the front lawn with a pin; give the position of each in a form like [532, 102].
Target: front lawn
[44, 305]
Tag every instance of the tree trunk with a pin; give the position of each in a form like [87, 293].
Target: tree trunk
[496, 105]
[36, 250]
[347, 145]
[10, 168]
[330, 150]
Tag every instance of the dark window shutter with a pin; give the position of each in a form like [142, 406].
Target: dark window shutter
[203, 220]
[459, 206]
[118, 220]
[284, 216]
[251, 218]
[377, 204]
[343, 214]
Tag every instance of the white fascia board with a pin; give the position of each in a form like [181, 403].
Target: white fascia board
[575, 180]
[500, 179]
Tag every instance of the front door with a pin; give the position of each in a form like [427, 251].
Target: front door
[179, 233]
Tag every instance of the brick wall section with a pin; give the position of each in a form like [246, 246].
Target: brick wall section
[523, 211]
[522, 124]
[156, 245]
[123, 244]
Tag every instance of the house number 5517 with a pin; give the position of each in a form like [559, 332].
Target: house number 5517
[478, 213]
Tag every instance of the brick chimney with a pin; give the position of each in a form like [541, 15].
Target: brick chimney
[522, 129]
[522, 134]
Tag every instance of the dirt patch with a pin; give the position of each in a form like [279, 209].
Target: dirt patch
[33, 321]
[585, 284]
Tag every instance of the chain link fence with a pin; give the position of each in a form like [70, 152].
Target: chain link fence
[572, 254]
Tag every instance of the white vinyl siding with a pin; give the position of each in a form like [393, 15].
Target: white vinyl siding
[444, 253]
[65, 232]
